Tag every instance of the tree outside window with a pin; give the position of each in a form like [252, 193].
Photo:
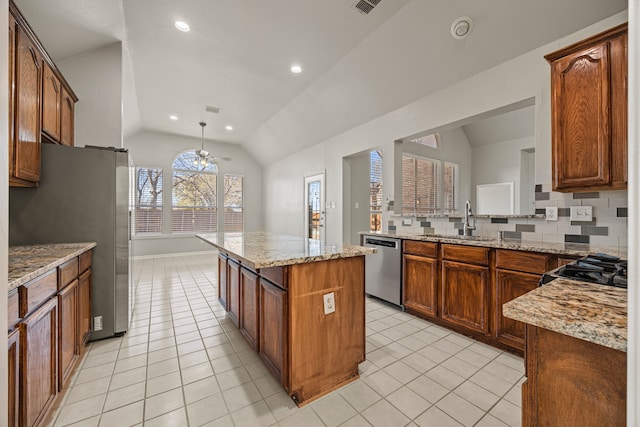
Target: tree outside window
[148, 204]
[233, 203]
[194, 198]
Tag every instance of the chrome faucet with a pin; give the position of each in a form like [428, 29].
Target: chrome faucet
[468, 227]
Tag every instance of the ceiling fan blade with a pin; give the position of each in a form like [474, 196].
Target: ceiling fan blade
[226, 159]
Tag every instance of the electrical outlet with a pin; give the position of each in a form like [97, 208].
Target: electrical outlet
[97, 323]
[406, 222]
[329, 303]
[581, 213]
[551, 213]
[357, 205]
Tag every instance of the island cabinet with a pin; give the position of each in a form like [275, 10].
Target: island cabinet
[589, 113]
[572, 382]
[420, 278]
[281, 312]
[222, 280]
[517, 272]
[13, 376]
[466, 287]
[233, 286]
[250, 298]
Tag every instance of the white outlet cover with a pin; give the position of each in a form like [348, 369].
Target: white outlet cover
[581, 213]
[551, 213]
[329, 303]
[406, 222]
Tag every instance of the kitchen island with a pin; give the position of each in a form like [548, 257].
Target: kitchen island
[575, 357]
[299, 303]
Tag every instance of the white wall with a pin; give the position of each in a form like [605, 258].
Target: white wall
[516, 80]
[96, 78]
[498, 163]
[360, 182]
[158, 150]
[4, 203]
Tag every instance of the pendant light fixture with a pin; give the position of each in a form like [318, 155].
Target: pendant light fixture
[203, 155]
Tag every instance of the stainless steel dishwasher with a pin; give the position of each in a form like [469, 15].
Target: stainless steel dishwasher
[383, 270]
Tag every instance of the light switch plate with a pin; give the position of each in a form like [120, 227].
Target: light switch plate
[406, 222]
[551, 213]
[581, 213]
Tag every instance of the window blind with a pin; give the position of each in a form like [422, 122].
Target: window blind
[450, 187]
[148, 203]
[193, 198]
[375, 190]
[233, 203]
[420, 185]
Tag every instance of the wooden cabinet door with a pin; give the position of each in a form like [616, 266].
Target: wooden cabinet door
[51, 96]
[223, 285]
[11, 92]
[619, 99]
[234, 292]
[84, 308]
[38, 362]
[27, 109]
[273, 327]
[67, 118]
[510, 285]
[13, 347]
[68, 337]
[465, 295]
[250, 297]
[420, 284]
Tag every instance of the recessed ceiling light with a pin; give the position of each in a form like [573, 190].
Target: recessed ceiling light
[296, 69]
[182, 26]
[228, 127]
[172, 117]
[461, 27]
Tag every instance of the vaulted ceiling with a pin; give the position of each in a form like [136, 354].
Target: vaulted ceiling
[237, 56]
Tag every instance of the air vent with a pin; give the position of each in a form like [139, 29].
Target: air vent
[366, 6]
[210, 109]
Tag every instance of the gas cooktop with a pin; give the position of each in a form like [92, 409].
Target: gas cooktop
[597, 268]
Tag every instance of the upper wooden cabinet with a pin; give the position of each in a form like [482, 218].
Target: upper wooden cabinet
[25, 146]
[589, 113]
[41, 103]
[51, 96]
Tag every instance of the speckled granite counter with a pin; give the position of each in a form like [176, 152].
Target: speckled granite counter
[594, 313]
[262, 249]
[574, 249]
[30, 261]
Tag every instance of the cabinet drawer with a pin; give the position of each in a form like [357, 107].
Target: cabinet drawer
[13, 309]
[276, 275]
[67, 272]
[527, 262]
[466, 254]
[84, 261]
[427, 249]
[37, 291]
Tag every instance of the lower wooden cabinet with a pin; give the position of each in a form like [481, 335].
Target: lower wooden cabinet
[84, 307]
[572, 382]
[510, 285]
[38, 363]
[250, 298]
[222, 280]
[233, 280]
[68, 336]
[13, 377]
[465, 295]
[420, 284]
[273, 327]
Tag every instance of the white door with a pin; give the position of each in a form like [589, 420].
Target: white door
[314, 207]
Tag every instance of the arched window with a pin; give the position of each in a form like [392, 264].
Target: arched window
[193, 198]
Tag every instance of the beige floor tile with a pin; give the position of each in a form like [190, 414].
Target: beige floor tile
[175, 418]
[79, 411]
[459, 409]
[200, 389]
[163, 403]
[383, 414]
[207, 409]
[477, 395]
[255, 415]
[281, 405]
[408, 402]
[163, 383]
[86, 390]
[435, 417]
[129, 415]
[445, 377]
[124, 396]
[490, 421]
[162, 368]
[305, 417]
[333, 409]
[382, 383]
[241, 396]
[196, 372]
[428, 389]
[359, 395]
[508, 413]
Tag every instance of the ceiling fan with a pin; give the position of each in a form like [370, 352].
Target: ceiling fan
[203, 155]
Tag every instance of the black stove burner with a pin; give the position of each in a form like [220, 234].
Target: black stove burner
[597, 268]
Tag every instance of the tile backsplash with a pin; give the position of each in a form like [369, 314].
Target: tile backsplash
[608, 226]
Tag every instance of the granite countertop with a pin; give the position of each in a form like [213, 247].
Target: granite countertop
[262, 249]
[590, 312]
[30, 261]
[574, 249]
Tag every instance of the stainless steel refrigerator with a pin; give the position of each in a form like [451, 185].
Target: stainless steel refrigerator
[83, 196]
